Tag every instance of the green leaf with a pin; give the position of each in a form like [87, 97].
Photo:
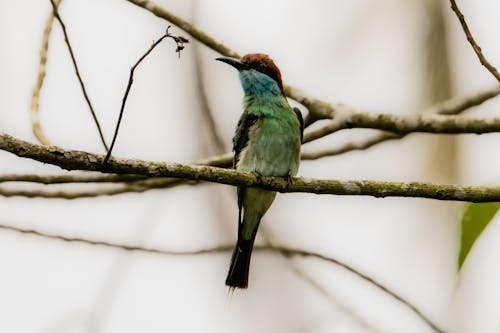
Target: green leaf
[476, 217]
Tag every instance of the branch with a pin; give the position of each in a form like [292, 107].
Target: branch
[124, 183]
[452, 106]
[68, 178]
[80, 80]
[79, 160]
[120, 188]
[472, 42]
[449, 107]
[35, 95]
[213, 44]
[196, 33]
[205, 109]
[403, 124]
[351, 146]
[344, 117]
[180, 46]
[286, 251]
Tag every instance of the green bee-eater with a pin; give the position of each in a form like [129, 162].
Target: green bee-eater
[267, 142]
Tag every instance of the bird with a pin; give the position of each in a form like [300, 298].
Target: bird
[267, 142]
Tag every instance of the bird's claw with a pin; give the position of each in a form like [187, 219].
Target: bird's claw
[257, 175]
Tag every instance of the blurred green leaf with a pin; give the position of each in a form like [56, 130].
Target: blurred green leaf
[476, 217]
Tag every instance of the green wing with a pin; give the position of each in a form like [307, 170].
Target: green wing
[240, 139]
[301, 121]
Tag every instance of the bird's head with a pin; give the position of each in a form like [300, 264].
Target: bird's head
[258, 73]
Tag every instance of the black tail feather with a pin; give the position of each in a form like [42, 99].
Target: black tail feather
[240, 264]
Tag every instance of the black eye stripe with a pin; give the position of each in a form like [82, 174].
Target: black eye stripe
[268, 71]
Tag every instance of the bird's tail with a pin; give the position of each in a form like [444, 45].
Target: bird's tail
[240, 263]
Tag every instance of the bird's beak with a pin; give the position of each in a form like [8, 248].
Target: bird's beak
[236, 63]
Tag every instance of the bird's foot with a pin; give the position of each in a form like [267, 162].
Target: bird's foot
[289, 180]
[257, 175]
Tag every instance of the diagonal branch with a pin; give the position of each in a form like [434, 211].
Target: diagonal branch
[35, 95]
[351, 146]
[344, 117]
[179, 42]
[286, 251]
[178, 21]
[403, 124]
[69, 178]
[119, 188]
[452, 106]
[472, 42]
[79, 160]
[80, 80]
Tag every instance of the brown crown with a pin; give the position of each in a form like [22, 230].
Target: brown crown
[262, 63]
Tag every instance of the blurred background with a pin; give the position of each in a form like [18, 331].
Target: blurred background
[394, 56]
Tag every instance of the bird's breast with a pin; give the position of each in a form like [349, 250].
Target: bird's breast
[273, 147]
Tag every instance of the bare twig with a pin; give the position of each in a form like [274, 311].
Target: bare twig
[77, 71]
[179, 40]
[404, 124]
[286, 251]
[206, 111]
[456, 106]
[364, 277]
[451, 106]
[123, 183]
[472, 42]
[69, 178]
[299, 270]
[118, 188]
[351, 146]
[35, 96]
[196, 33]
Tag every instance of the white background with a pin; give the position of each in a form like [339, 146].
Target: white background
[362, 53]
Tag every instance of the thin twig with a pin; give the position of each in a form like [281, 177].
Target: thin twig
[351, 146]
[180, 45]
[306, 276]
[118, 188]
[124, 183]
[69, 178]
[77, 71]
[206, 111]
[457, 105]
[178, 21]
[286, 251]
[472, 42]
[405, 124]
[35, 96]
[363, 276]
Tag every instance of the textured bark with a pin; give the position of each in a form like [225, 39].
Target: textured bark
[80, 160]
